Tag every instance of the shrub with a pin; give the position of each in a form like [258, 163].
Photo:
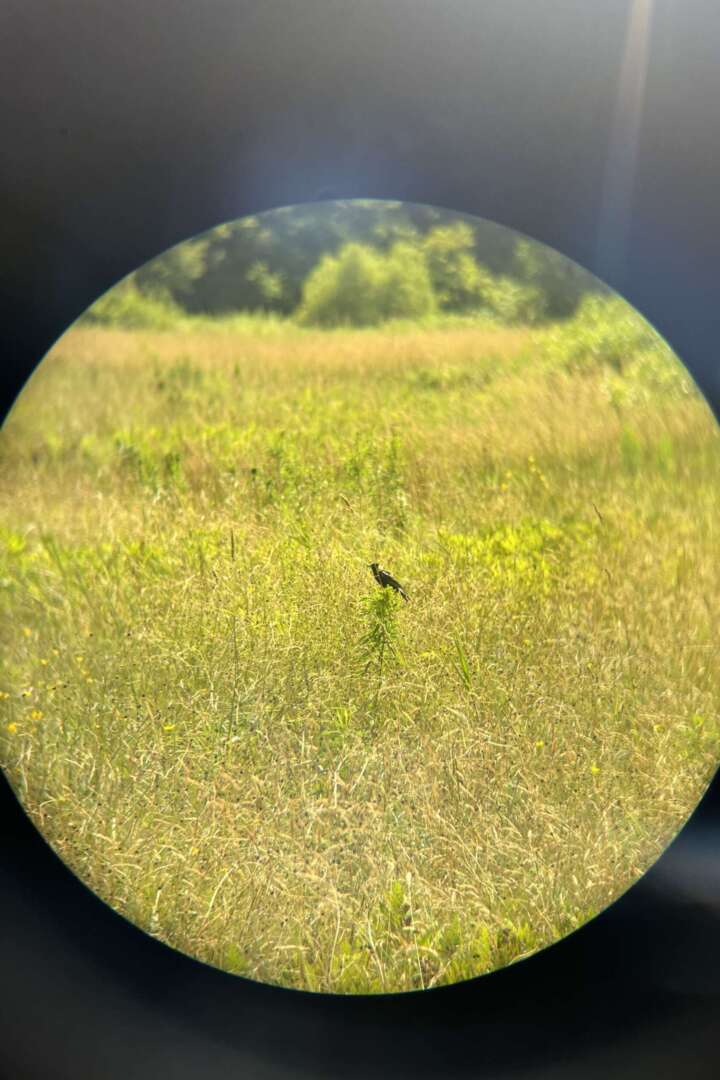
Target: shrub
[605, 331]
[269, 285]
[406, 290]
[125, 306]
[561, 281]
[457, 279]
[363, 287]
[512, 302]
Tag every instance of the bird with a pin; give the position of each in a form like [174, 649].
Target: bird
[383, 578]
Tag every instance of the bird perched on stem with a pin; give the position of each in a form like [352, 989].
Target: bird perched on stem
[383, 578]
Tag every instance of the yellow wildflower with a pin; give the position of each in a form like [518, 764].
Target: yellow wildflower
[168, 727]
[36, 714]
[594, 769]
[12, 728]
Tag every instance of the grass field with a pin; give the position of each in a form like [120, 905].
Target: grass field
[235, 738]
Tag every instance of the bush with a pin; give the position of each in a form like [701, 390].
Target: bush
[511, 301]
[406, 291]
[561, 281]
[125, 306]
[363, 287]
[605, 331]
[456, 277]
[269, 285]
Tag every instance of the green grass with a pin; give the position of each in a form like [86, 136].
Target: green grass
[238, 741]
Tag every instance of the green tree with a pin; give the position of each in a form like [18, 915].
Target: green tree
[174, 275]
[344, 288]
[127, 307]
[561, 280]
[269, 285]
[361, 286]
[456, 277]
[513, 302]
[406, 290]
[264, 261]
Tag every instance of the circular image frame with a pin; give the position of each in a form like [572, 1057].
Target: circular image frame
[419, 326]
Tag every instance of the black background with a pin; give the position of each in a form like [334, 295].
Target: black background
[129, 126]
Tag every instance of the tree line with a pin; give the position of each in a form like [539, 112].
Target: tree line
[361, 263]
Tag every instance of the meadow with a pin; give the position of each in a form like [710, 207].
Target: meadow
[241, 743]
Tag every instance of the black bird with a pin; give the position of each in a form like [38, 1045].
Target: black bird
[383, 578]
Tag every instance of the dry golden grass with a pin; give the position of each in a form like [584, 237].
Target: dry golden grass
[195, 719]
